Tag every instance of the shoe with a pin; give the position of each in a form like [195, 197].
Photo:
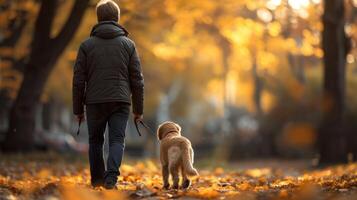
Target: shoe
[110, 185]
[97, 183]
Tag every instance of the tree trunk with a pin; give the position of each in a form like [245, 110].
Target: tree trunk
[295, 62]
[297, 68]
[44, 53]
[20, 135]
[258, 87]
[332, 137]
[226, 50]
[47, 114]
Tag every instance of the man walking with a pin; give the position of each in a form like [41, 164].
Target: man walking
[107, 79]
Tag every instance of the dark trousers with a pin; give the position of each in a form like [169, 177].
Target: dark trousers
[116, 115]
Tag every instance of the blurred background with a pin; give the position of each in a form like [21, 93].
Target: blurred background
[245, 79]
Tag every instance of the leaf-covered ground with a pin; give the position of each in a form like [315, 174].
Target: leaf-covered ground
[50, 176]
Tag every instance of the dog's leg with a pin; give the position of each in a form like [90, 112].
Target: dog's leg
[165, 167]
[175, 175]
[173, 157]
[185, 181]
[165, 176]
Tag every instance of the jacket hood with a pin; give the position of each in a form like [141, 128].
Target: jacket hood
[108, 30]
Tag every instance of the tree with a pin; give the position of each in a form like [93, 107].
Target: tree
[336, 45]
[45, 51]
[10, 66]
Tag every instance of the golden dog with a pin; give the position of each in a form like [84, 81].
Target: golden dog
[176, 154]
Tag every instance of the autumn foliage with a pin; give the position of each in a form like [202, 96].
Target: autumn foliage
[243, 77]
[38, 176]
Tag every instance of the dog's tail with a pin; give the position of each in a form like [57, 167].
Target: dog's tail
[187, 159]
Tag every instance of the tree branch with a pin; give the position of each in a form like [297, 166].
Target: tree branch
[220, 39]
[44, 22]
[72, 23]
[16, 26]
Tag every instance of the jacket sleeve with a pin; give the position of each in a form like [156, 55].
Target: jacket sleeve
[79, 82]
[136, 83]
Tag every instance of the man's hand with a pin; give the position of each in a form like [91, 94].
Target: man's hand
[80, 117]
[138, 117]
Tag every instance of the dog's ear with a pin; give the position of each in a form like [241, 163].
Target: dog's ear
[178, 127]
[159, 132]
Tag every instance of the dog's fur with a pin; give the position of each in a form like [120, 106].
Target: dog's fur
[176, 154]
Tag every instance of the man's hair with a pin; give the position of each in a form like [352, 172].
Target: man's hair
[107, 10]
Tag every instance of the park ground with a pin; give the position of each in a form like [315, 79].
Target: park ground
[54, 176]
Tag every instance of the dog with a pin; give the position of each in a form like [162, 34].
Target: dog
[176, 154]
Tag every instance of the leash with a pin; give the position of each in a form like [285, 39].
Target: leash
[79, 126]
[136, 126]
[137, 122]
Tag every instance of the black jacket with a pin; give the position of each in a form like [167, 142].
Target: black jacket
[107, 69]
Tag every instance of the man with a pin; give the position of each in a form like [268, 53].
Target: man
[107, 74]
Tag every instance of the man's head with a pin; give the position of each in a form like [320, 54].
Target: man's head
[107, 10]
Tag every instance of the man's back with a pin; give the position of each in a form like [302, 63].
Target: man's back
[110, 67]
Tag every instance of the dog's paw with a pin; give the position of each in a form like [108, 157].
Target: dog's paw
[166, 186]
[186, 184]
